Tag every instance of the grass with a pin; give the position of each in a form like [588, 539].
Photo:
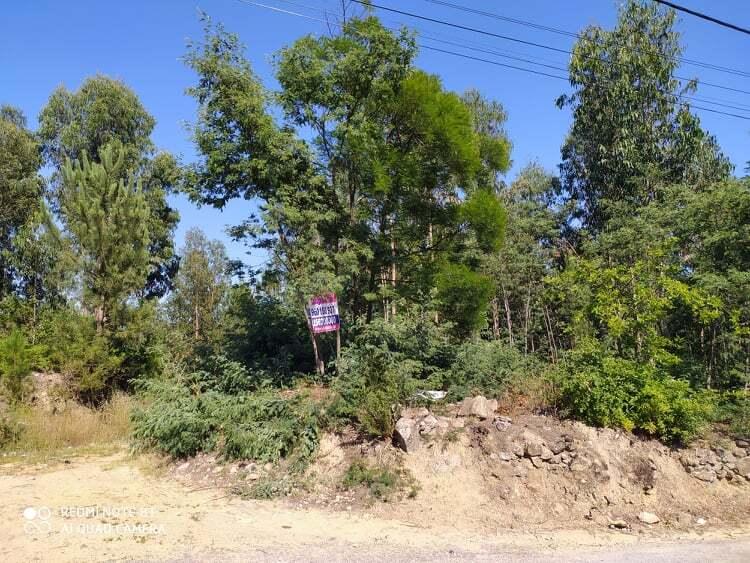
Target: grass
[42, 435]
[381, 481]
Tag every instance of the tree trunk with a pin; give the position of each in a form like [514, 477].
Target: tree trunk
[495, 319]
[508, 321]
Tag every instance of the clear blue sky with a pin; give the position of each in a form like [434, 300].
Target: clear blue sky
[45, 43]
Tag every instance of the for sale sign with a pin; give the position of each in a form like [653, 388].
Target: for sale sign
[324, 313]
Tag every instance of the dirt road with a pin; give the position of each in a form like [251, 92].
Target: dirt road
[109, 508]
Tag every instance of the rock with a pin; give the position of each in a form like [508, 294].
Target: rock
[580, 465]
[555, 459]
[566, 458]
[532, 444]
[517, 449]
[557, 447]
[457, 422]
[742, 443]
[428, 424]
[739, 453]
[546, 454]
[648, 518]
[537, 462]
[406, 435]
[700, 521]
[477, 406]
[742, 467]
[502, 423]
[505, 456]
[184, 466]
[618, 524]
[704, 474]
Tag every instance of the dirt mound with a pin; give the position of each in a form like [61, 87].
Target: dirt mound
[537, 471]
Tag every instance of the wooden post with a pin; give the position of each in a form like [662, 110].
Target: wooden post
[319, 365]
[338, 345]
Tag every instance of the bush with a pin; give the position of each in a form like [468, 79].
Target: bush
[601, 389]
[10, 431]
[381, 481]
[183, 419]
[17, 360]
[485, 367]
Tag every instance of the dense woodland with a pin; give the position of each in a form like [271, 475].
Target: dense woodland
[615, 290]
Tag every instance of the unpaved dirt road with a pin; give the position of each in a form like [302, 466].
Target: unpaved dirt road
[109, 508]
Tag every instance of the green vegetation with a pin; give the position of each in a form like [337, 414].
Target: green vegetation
[618, 293]
[382, 482]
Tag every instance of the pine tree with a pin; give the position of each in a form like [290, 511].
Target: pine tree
[107, 218]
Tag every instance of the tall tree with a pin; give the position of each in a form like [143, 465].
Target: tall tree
[102, 112]
[108, 221]
[372, 206]
[21, 188]
[201, 285]
[633, 133]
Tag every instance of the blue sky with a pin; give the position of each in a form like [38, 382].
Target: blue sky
[45, 43]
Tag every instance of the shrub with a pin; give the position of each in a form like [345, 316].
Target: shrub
[464, 296]
[182, 418]
[381, 481]
[17, 360]
[485, 367]
[601, 389]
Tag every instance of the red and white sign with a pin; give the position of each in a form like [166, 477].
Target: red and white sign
[324, 313]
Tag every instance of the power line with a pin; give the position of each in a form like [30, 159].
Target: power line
[704, 16]
[574, 35]
[488, 61]
[508, 38]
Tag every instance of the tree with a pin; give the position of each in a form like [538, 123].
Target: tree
[372, 207]
[520, 312]
[107, 219]
[201, 285]
[21, 189]
[633, 134]
[102, 112]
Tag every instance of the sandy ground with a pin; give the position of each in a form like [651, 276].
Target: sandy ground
[119, 508]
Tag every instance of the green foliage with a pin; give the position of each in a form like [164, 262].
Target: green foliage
[487, 218]
[463, 297]
[383, 366]
[21, 189]
[17, 360]
[10, 431]
[267, 334]
[632, 136]
[198, 300]
[187, 415]
[107, 218]
[487, 368]
[381, 481]
[105, 112]
[604, 390]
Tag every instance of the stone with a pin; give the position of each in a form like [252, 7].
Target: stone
[406, 435]
[580, 465]
[517, 449]
[648, 518]
[700, 521]
[555, 459]
[532, 444]
[565, 457]
[557, 447]
[704, 474]
[505, 456]
[743, 467]
[537, 462]
[428, 424]
[502, 423]
[546, 454]
[618, 524]
[184, 466]
[742, 443]
[477, 406]
[738, 453]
